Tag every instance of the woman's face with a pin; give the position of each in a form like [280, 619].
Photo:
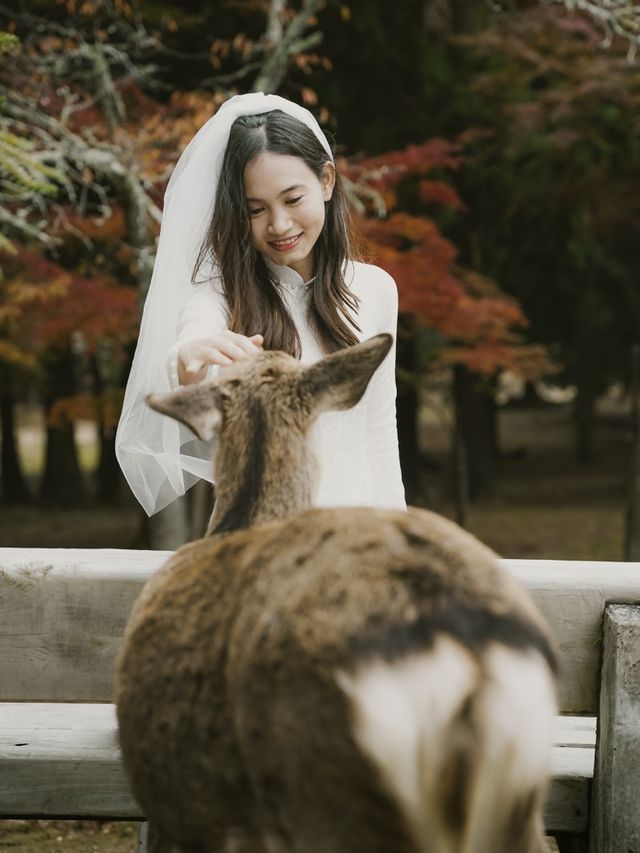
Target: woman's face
[287, 208]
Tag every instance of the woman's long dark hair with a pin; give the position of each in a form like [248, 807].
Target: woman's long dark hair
[250, 288]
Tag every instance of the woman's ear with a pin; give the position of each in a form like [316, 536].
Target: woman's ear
[328, 180]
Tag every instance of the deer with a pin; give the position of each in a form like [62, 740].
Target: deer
[328, 680]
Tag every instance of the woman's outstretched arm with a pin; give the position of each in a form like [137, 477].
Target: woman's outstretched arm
[204, 339]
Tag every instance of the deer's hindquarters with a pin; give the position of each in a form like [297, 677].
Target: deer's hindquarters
[342, 681]
[460, 740]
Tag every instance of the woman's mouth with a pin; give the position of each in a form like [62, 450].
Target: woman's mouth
[285, 245]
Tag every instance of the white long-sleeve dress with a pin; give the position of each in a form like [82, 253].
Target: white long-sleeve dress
[357, 449]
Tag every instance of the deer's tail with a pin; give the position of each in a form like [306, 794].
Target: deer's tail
[461, 741]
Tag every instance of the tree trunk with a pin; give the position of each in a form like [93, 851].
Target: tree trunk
[201, 500]
[476, 417]
[109, 477]
[166, 530]
[62, 482]
[407, 406]
[632, 537]
[584, 406]
[460, 469]
[584, 410]
[13, 486]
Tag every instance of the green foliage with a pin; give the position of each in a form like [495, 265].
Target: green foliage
[20, 171]
[9, 43]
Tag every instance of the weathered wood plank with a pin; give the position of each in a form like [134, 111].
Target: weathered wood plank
[572, 595]
[63, 612]
[572, 762]
[567, 806]
[575, 731]
[615, 812]
[63, 760]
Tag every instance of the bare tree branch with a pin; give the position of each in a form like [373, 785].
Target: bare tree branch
[616, 17]
[276, 62]
[273, 32]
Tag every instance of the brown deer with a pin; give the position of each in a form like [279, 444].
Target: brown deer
[346, 680]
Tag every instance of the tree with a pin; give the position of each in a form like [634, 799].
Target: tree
[553, 215]
[53, 322]
[82, 92]
[632, 527]
[477, 325]
[614, 17]
[71, 135]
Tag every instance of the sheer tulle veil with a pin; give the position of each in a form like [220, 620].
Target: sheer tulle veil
[161, 458]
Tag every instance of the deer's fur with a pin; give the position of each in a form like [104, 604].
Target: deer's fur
[328, 680]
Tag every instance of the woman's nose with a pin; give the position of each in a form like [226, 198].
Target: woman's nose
[280, 222]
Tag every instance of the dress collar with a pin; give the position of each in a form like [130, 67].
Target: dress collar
[286, 275]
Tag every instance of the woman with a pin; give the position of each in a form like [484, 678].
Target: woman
[254, 251]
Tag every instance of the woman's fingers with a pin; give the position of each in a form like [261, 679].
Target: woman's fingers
[250, 345]
[236, 351]
[223, 349]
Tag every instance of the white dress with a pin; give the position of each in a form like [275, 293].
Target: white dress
[357, 449]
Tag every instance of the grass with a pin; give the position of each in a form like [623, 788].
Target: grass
[47, 836]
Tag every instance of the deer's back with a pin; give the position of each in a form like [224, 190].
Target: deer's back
[329, 583]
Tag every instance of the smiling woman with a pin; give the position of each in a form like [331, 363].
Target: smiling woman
[286, 223]
[256, 251]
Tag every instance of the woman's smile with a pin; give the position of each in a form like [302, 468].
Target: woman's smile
[287, 244]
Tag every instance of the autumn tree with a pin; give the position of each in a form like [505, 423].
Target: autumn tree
[54, 324]
[86, 90]
[475, 327]
[21, 174]
[553, 213]
[69, 131]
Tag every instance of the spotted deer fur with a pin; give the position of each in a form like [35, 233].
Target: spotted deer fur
[348, 680]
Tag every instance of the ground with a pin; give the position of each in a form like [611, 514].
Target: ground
[45, 836]
[548, 506]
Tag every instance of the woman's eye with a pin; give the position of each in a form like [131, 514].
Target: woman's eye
[294, 200]
[254, 211]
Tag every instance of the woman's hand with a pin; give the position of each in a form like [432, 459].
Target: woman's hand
[223, 348]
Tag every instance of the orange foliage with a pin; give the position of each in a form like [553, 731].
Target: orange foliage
[439, 193]
[480, 323]
[104, 230]
[103, 409]
[49, 305]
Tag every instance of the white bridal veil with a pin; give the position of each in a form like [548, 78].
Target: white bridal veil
[161, 458]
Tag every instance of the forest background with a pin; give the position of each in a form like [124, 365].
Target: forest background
[492, 155]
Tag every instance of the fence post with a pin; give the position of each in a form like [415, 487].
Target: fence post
[615, 814]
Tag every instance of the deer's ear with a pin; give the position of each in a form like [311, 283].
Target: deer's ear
[339, 380]
[197, 406]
